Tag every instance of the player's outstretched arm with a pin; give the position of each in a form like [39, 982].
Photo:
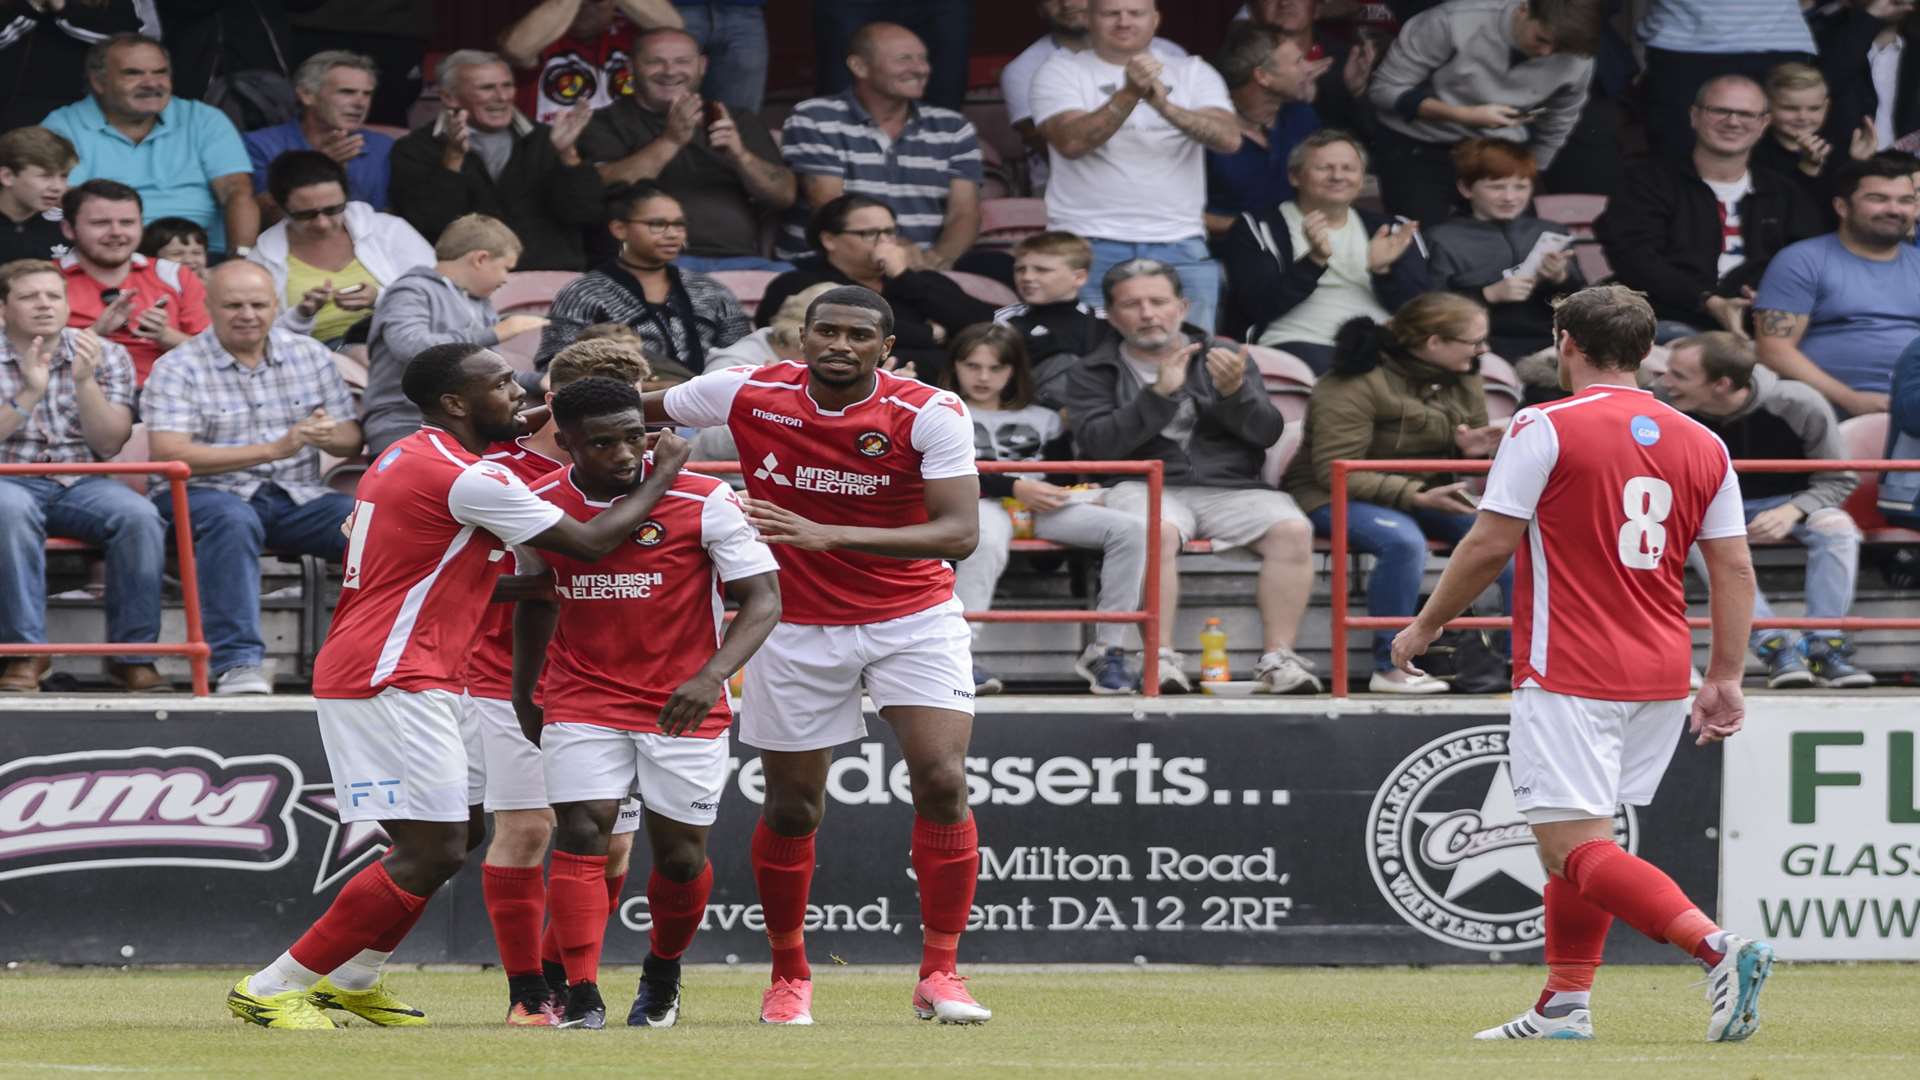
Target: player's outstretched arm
[1473, 566]
[533, 623]
[759, 600]
[951, 530]
[1719, 708]
[590, 541]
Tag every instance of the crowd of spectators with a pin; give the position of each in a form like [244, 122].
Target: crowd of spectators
[199, 236]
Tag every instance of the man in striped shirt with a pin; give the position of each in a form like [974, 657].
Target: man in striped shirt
[878, 139]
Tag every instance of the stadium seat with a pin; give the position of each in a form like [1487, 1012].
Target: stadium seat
[1006, 222]
[1592, 262]
[983, 288]
[1866, 437]
[747, 286]
[1577, 212]
[1503, 387]
[519, 350]
[531, 292]
[1289, 383]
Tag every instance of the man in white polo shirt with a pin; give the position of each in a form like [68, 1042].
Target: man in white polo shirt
[1132, 179]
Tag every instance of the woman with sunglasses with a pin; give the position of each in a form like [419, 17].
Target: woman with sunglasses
[856, 241]
[330, 257]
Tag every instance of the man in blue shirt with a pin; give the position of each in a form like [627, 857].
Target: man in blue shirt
[183, 157]
[1834, 311]
[335, 89]
[1271, 82]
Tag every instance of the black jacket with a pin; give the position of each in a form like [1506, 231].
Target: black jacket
[1265, 281]
[918, 298]
[1661, 233]
[1115, 418]
[544, 202]
[1844, 39]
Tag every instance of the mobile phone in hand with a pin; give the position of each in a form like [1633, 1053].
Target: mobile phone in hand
[350, 290]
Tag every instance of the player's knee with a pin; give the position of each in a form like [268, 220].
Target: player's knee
[681, 859]
[940, 790]
[794, 813]
[442, 857]
[577, 833]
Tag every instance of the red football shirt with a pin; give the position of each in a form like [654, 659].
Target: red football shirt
[599, 71]
[150, 280]
[643, 620]
[864, 466]
[429, 521]
[1615, 486]
[490, 669]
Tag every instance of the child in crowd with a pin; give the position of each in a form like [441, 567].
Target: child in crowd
[1049, 269]
[183, 241]
[34, 164]
[991, 373]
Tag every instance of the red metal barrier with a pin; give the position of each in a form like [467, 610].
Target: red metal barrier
[1344, 623]
[1148, 618]
[195, 648]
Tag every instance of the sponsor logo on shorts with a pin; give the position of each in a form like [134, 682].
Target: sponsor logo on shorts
[704, 805]
[1453, 855]
[873, 443]
[968, 694]
[776, 418]
[650, 533]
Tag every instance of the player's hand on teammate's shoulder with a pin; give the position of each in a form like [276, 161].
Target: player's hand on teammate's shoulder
[670, 452]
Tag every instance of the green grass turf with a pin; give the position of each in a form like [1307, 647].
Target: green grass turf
[1818, 1021]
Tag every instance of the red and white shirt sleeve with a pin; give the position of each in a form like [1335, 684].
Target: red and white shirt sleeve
[735, 549]
[489, 496]
[1521, 466]
[943, 433]
[1726, 515]
[706, 400]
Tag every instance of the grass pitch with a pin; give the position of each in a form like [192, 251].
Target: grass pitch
[1818, 1021]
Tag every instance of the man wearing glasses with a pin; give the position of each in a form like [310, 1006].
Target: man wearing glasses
[1697, 235]
[682, 316]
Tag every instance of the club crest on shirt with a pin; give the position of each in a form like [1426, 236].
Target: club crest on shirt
[650, 533]
[1519, 422]
[873, 443]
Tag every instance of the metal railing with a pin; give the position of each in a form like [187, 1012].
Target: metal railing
[195, 648]
[1147, 617]
[1343, 624]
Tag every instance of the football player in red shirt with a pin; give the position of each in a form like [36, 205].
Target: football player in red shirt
[630, 707]
[1602, 493]
[429, 524]
[865, 484]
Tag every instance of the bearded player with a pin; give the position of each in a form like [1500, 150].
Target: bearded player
[864, 484]
[505, 779]
[1601, 494]
[636, 658]
[430, 522]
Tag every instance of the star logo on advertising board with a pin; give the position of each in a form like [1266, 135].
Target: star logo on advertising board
[350, 844]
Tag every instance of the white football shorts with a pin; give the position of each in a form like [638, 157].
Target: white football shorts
[802, 689]
[396, 756]
[1579, 757]
[503, 768]
[677, 777]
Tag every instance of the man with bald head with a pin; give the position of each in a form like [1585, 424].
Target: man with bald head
[1696, 235]
[878, 138]
[945, 25]
[250, 407]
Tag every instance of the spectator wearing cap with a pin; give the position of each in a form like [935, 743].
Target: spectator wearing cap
[856, 242]
[1128, 134]
[335, 89]
[1512, 69]
[34, 165]
[878, 138]
[66, 397]
[576, 54]
[331, 256]
[1692, 42]
[1485, 253]
[481, 156]
[146, 306]
[1271, 83]
[184, 157]
[250, 407]
[682, 315]
[437, 303]
[723, 167]
[1299, 270]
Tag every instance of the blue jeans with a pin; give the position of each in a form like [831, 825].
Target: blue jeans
[99, 510]
[1199, 274]
[1397, 540]
[707, 264]
[229, 533]
[734, 38]
[1832, 541]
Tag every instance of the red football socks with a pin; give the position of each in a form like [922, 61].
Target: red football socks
[577, 900]
[615, 886]
[1638, 892]
[516, 900]
[677, 908]
[783, 874]
[1576, 939]
[367, 908]
[946, 861]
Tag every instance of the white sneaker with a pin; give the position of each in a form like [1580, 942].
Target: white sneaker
[1577, 1024]
[1399, 682]
[1283, 671]
[1173, 673]
[1733, 988]
[245, 679]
